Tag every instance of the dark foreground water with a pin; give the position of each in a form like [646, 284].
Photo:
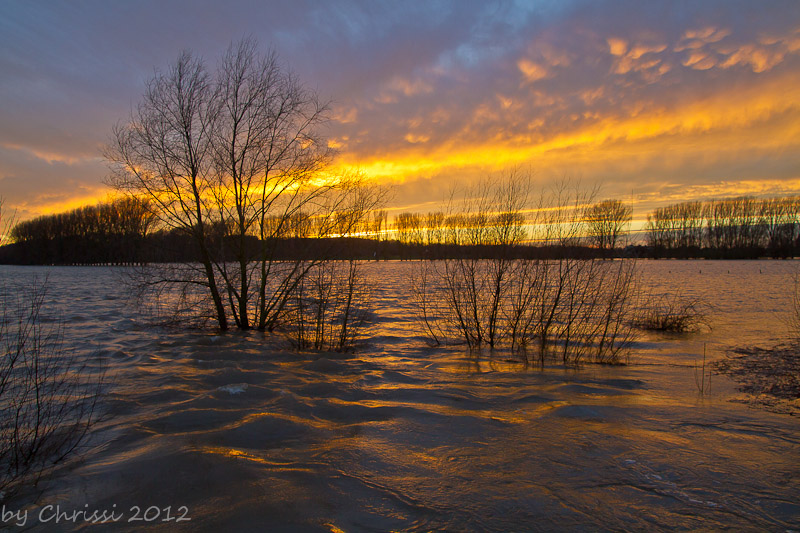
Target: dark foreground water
[240, 434]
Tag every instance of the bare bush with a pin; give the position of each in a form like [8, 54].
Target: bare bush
[614, 332]
[793, 319]
[329, 306]
[48, 398]
[430, 308]
[702, 380]
[674, 313]
[571, 308]
[490, 216]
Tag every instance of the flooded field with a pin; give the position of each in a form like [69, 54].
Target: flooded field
[238, 432]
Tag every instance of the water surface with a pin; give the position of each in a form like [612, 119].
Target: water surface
[248, 435]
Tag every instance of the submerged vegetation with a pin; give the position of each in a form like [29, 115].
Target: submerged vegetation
[329, 306]
[48, 398]
[674, 313]
[232, 160]
[232, 213]
[574, 309]
[770, 377]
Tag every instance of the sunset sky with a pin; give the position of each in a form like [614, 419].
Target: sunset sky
[656, 102]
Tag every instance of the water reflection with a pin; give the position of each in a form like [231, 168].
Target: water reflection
[402, 436]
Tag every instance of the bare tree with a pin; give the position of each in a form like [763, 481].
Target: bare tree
[164, 153]
[6, 223]
[266, 151]
[378, 224]
[739, 225]
[606, 223]
[434, 227]
[409, 228]
[234, 158]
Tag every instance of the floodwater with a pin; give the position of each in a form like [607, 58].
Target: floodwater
[239, 433]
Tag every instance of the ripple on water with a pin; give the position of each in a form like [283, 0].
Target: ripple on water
[592, 413]
[192, 421]
[263, 431]
[401, 436]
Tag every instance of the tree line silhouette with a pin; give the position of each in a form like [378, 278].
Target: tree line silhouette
[604, 223]
[729, 228]
[113, 232]
[125, 231]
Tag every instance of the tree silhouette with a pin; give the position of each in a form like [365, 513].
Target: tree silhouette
[233, 158]
[606, 223]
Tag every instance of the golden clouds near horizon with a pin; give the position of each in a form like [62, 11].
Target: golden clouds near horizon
[762, 117]
[714, 104]
[727, 126]
[706, 100]
[51, 206]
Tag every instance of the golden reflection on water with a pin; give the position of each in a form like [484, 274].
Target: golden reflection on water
[399, 436]
[240, 454]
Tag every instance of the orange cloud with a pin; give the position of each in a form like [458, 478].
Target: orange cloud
[49, 157]
[48, 204]
[337, 143]
[697, 38]
[640, 50]
[416, 139]
[345, 115]
[640, 58]
[532, 71]
[707, 50]
[763, 118]
[505, 103]
[616, 46]
[759, 58]
[700, 61]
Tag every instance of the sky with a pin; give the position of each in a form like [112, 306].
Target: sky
[651, 102]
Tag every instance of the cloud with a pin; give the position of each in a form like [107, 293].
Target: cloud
[714, 47]
[407, 87]
[629, 92]
[697, 38]
[616, 46]
[763, 55]
[48, 157]
[415, 139]
[640, 58]
[532, 71]
[345, 114]
[758, 58]
[700, 61]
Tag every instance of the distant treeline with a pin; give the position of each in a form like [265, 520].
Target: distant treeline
[734, 227]
[178, 247]
[112, 232]
[125, 231]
